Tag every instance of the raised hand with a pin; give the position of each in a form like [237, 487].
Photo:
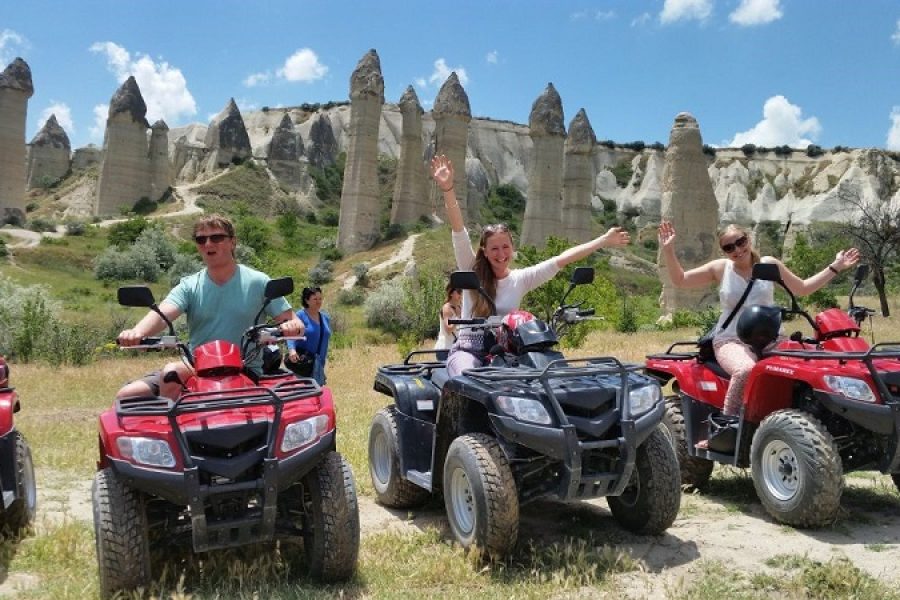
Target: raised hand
[846, 259]
[442, 172]
[616, 237]
[666, 234]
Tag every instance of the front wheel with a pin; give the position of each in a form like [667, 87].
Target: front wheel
[391, 489]
[331, 534]
[650, 502]
[121, 531]
[796, 469]
[21, 511]
[480, 495]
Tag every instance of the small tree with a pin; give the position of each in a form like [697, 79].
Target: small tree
[874, 224]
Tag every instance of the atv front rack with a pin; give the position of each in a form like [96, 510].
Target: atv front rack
[562, 369]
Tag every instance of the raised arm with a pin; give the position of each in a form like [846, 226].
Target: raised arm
[442, 173]
[802, 287]
[614, 238]
[703, 275]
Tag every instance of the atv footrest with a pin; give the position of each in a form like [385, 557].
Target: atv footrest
[592, 487]
[421, 479]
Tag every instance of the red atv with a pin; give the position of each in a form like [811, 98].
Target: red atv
[237, 459]
[813, 408]
[16, 468]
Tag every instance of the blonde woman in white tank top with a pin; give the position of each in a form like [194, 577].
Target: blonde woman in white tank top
[732, 274]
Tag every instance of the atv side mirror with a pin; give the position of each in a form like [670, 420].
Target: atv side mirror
[582, 276]
[862, 271]
[277, 288]
[766, 272]
[464, 280]
[135, 295]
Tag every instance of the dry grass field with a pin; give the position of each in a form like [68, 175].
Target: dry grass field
[722, 545]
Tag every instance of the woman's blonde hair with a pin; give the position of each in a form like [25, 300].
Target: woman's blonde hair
[482, 267]
[734, 228]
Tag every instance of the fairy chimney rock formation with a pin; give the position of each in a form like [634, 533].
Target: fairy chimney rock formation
[161, 172]
[548, 135]
[322, 147]
[452, 115]
[15, 90]
[227, 138]
[86, 157]
[689, 203]
[410, 199]
[125, 170]
[284, 153]
[358, 224]
[49, 154]
[578, 179]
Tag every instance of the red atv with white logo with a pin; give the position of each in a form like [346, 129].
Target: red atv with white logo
[813, 408]
[17, 483]
[237, 459]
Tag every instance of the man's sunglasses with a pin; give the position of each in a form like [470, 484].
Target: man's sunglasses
[216, 238]
[738, 243]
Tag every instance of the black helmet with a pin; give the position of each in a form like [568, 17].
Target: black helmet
[758, 325]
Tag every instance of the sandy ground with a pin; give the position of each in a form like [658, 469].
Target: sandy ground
[732, 529]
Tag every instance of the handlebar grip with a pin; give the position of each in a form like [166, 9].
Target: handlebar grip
[465, 321]
[587, 312]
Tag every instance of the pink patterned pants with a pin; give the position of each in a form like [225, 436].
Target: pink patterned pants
[737, 359]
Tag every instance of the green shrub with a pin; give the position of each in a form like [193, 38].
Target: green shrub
[41, 224]
[160, 244]
[352, 297]
[361, 272]
[4, 251]
[813, 151]
[407, 307]
[254, 232]
[144, 206]
[748, 149]
[76, 228]
[322, 273]
[126, 233]
[622, 172]
[504, 204]
[184, 264]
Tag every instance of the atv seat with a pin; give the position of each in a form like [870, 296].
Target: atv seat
[439, 377]
[707, 356]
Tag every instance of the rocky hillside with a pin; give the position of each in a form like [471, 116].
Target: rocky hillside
[750, 186]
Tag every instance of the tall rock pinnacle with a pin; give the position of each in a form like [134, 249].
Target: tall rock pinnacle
[410, 189]
[548, 135]
[452, 115]
[578, 179]
[49, 154]
[15, 90]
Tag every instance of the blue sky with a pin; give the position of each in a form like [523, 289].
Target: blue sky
[769, 72]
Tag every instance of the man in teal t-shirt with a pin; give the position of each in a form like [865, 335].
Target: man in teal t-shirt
[220, 302]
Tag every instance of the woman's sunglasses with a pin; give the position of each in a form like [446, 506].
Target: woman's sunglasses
[738, 243]
[216, 238]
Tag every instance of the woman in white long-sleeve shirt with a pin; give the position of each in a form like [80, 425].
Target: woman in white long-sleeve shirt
[504, 285]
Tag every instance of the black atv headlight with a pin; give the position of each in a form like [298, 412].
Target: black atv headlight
[524, 409]
[642, 399]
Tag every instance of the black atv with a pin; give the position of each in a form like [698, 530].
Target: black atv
[532, 424]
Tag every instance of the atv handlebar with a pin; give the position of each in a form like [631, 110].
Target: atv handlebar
[161, 342]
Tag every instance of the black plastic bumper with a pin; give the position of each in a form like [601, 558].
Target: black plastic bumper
[183, 488]
[562, 443]
[883, 419]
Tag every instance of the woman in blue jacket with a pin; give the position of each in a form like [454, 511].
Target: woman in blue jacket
[318, 332]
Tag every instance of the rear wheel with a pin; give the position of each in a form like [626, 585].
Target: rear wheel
[797, 471]
[20, 513]
[650, 502]
[331, 535]
[384, 464]
[480, 495]
[695, 472]
[120, 528]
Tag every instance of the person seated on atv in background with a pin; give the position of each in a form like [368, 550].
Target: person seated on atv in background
[220, 302]
[505, 286]
[732, 274]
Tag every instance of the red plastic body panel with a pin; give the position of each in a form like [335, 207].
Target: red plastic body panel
[217, 356]
[835, 321]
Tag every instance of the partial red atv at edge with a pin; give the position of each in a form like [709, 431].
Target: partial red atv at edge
[17, 482]
[237, 459]
[812, 410]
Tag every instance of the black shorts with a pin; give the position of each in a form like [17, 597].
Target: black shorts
[153, 381]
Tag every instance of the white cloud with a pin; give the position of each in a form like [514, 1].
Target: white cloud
[641, 19]
[258, 79]
[896, 37]
[782, 124]
[492, 57]
[442, 72]
[63, 116]
[420, 81]
[597, 15]
[303, 65]
[101, 112]
[11, 45]
[893, 136]
[756, 12]
[604, 15]
[163, 86]
[685, 10]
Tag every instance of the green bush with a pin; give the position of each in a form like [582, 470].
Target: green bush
[254, 232]
[144, 206]
[748, 149]
[504, 204]
[126, 233]
[407, 307]
[622, 172]
[361, 272]
[352, 297]
[4, 251]
[41, 224]
[322, 273]
[76, 228]
[185, 264]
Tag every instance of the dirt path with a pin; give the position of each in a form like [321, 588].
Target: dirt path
[726, 524]
[404, 254]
